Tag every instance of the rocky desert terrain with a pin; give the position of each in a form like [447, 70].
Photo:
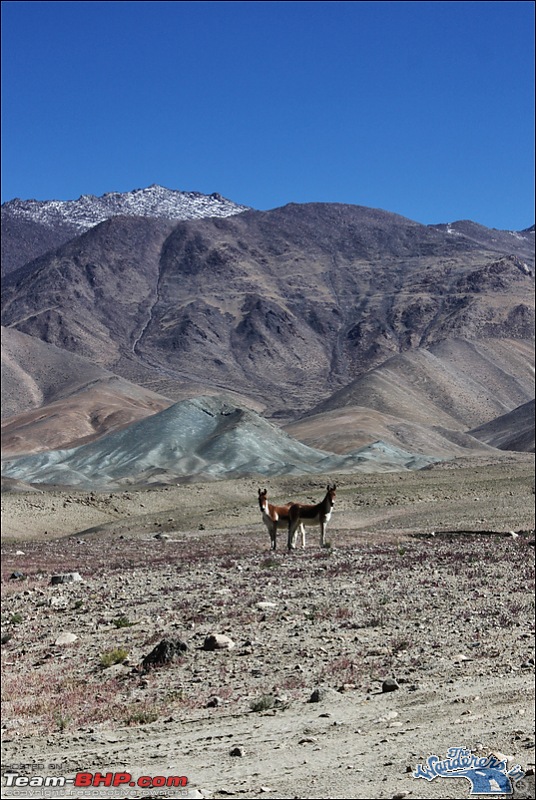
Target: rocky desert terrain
[188, 648]
[165, 355]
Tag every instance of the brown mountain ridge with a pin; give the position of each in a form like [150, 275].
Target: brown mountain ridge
[286, 306]
[296, 312]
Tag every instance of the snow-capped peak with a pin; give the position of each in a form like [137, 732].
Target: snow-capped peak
[153, 201]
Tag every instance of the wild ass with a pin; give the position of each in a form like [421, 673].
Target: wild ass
[275, 517]
[301, 514]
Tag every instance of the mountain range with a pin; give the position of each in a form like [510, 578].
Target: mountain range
[32, 227]
[208, 438]
[342, 324]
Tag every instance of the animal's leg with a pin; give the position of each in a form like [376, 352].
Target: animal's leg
[273, 536]
[270, 527]
[292, 528]
[322, 534]
[302, 526]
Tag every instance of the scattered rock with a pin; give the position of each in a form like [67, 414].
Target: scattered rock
[218, 641]
[65, 577]
[237, 752]
[16, 576]
[459, 659]
[524, 788]
[200, 588]
[389, 717]
[501, 756]
[214, 701]
[390, 685]
[165, 652]
[66, 638]
[116, 670]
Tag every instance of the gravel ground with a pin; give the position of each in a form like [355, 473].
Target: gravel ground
[427, 588]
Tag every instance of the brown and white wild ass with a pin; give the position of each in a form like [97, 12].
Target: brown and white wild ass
[275, 517]
[301, 514]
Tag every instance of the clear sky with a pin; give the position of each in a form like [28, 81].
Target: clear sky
[425, 109]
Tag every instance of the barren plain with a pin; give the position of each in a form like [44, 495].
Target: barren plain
[427, 583]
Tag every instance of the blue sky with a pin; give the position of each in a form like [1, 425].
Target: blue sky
[425, 109]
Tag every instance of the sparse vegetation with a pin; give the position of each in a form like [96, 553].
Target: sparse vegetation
[264, 703]
[142, 717]
[115, 656]
[122, 622]
[61, 721]
[399, 645]
[270, 563]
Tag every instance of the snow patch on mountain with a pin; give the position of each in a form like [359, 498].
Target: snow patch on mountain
[153, 201]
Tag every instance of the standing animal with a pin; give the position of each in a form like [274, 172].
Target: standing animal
[300, 514]
[275, 517]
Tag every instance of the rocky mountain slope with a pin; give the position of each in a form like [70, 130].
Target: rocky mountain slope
[62, 399]
[285, 306]
[420, 333]
[33, 227]
[454, 382]
[511, 431]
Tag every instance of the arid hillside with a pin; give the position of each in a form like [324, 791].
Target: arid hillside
[312, 296]
[421, 334]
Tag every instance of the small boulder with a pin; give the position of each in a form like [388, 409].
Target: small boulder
[165, 652]
[214, 701]
[66, 638]
[65, 577]
[218, 641]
